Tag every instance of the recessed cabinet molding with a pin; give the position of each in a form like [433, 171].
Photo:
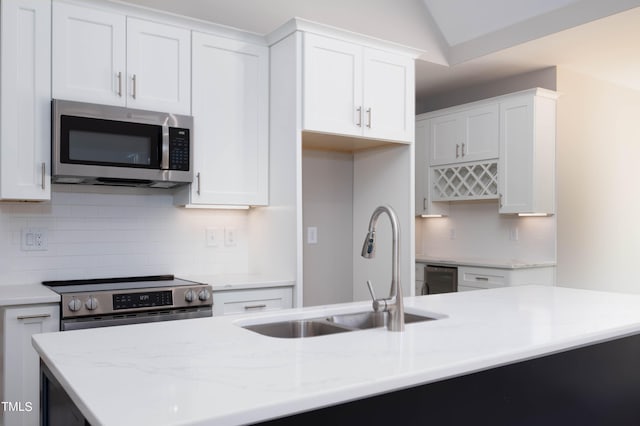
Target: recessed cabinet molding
[353, 90]
[20, 362]
[231, 123]
[105, 57]
[25, 113]
[501, 148]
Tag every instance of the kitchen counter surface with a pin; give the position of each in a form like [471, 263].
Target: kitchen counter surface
[212, 371]
[26, 294]
[484, 263]
[239, 281]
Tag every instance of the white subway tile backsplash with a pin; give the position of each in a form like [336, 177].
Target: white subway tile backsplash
[98, 235]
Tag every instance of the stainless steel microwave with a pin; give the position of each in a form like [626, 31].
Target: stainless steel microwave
[108, 145]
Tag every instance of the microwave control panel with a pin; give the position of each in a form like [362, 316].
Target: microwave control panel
[178, 149]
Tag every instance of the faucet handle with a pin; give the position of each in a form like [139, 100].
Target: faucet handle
[370, 287]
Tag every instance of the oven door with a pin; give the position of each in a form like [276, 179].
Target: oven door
[440, 279]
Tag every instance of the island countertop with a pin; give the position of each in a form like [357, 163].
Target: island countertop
[212, 371]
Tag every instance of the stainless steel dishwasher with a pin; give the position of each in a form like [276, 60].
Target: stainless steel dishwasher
[440, 279]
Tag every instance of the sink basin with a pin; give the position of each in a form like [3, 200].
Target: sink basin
[329, 325]
[297, 328]
[370, 319]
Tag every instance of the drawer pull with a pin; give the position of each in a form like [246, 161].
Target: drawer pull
[482, 278]
[25, 317]
[249, 307]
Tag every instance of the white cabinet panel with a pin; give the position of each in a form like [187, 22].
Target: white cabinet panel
[106, 58]
[25, 84]
[20, 366]
[230, 109]
[89, 55]
[352, 90]
[254, 300]
[158, 66]
[423, 178]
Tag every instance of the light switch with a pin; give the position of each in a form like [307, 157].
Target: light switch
[213, 237]
[34, 239]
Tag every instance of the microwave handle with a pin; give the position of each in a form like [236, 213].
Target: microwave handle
[164, 163]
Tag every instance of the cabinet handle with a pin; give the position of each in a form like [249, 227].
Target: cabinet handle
[369, 117]
[249, 307]
[482, 278]
[500, 199]
[198, 186]
[120, 84]
[44, 171]
[133, 89]
[463, 150]
[359, 111]
[424, 203]
[26, 317]
[457, 150]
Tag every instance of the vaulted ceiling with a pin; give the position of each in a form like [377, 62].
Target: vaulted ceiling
[466, 42]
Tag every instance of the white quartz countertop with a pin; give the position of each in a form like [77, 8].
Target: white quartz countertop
[239, 281]
[210, 371]
[484, 263]
[26, 294]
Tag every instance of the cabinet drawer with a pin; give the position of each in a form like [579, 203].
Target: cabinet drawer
[482, 277]
[253, 300]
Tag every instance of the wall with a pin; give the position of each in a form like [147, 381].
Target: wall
[481, 233]
[327, 198]
[133, 232]
[598, 197]
[545, 78]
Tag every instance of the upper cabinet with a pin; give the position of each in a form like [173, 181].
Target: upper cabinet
[354, 90]
[107, 58]
[527, 153]
[468, 135]
[25, 112]
[231, 119]
[501, 148]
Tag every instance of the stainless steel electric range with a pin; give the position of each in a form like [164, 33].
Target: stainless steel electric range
[129, 300]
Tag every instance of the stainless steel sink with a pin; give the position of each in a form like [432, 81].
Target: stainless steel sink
[329, 325]
[297, 328]
[370, 319]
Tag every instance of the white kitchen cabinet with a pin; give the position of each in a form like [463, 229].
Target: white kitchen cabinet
[231, 113]
[526, 168]
[477, 278]
[226, 302]
[20, 362]
[104, 57]
[25, 104]
[462, 136]
[353, 90]
[425, 206]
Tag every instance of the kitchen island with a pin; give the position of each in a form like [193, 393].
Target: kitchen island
[213, 371]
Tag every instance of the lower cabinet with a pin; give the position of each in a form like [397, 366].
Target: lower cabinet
[477, 278]
[20, 387]
[226, 302]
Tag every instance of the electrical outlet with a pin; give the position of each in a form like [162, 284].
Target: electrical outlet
[212, 237]
[230, 236]
[513, 234]
[34, 239]
[312, 235]
[452, 234]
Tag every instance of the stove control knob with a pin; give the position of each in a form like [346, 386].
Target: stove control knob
[74, 304]
[189, 295]
[91, 303]
[204, 295]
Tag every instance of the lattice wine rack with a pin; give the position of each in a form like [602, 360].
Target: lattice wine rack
[470, 181]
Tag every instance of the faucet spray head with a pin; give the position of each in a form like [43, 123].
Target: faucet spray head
[369, 246]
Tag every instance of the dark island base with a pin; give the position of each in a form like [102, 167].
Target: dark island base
[593, 385]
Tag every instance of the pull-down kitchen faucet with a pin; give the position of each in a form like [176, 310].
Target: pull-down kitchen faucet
[393, 304]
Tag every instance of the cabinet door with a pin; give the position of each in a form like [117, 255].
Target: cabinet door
[481, 139]
[158, 67]
[424, 203]
[21, 362]
[88, 55]
[25, 104]
[445, 139]
[389, 110]
[230, 109]
[332, 86]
